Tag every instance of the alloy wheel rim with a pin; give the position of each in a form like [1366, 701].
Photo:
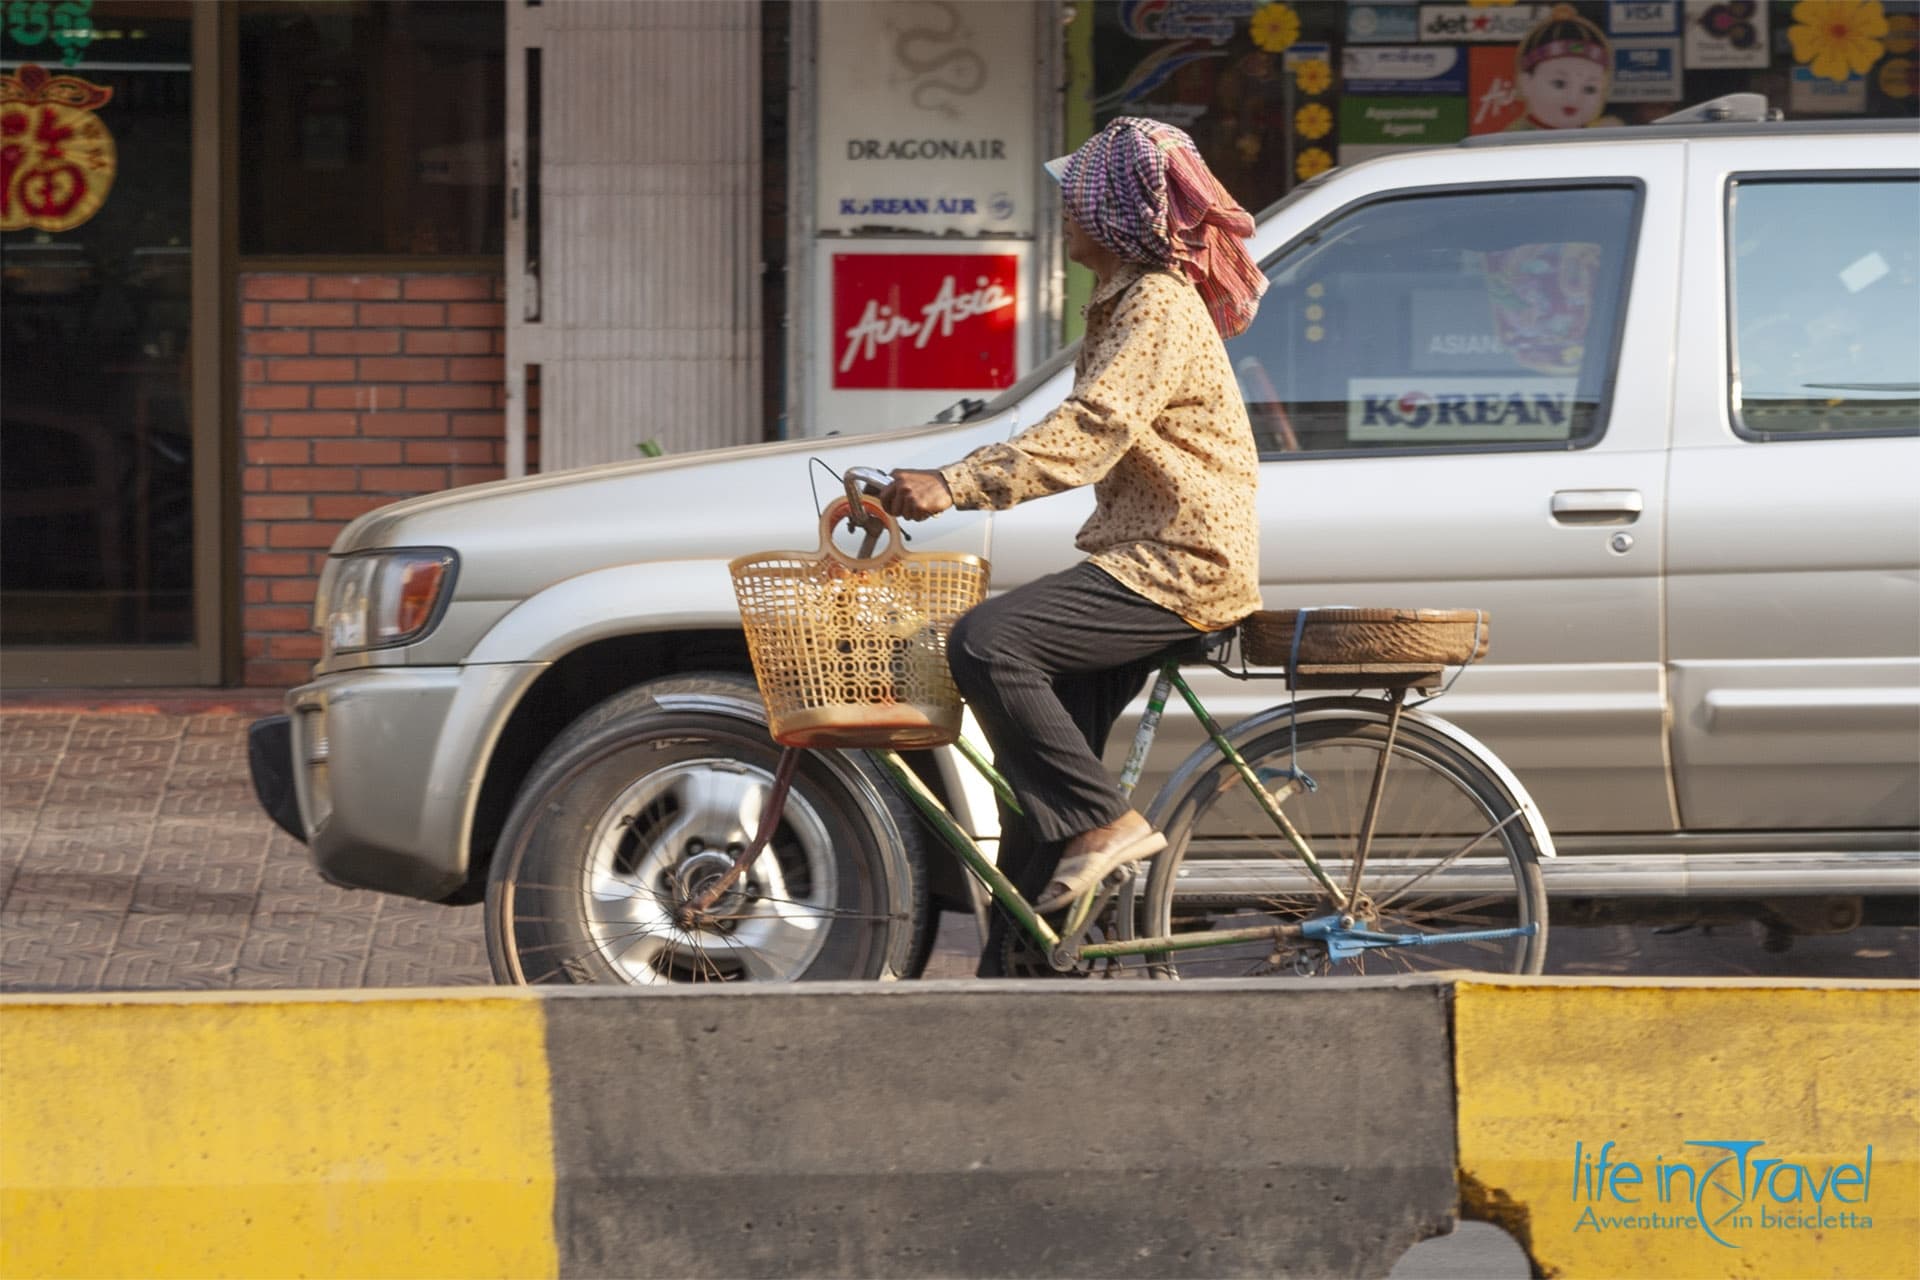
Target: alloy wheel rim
[669, 834]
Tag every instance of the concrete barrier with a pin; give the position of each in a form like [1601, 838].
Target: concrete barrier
[275, 1135]
[965, 1129]
[961, 1129]
[1694, 1128]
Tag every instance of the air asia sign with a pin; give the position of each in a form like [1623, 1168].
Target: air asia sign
[924, 321]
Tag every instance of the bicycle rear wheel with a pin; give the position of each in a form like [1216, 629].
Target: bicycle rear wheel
[1455, 850]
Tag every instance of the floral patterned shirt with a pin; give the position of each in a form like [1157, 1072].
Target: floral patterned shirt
[1156, 424]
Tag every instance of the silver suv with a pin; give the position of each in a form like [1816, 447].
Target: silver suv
[1651, 396]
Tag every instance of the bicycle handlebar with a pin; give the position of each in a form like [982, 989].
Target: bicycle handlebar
[872, 480]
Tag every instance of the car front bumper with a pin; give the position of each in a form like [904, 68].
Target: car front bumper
[384, 766]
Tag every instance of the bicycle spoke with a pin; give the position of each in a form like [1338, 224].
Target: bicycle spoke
[1454, 910]
[1445, 862]
[1449, 854]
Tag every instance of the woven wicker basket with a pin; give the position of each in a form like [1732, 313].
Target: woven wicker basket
[1365, 637]
[852, 652]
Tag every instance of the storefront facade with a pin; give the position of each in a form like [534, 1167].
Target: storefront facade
[251, 289]
[271, 264]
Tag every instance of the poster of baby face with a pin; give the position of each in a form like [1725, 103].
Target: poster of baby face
[1558, 77]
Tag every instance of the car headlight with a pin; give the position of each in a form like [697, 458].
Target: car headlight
[379, 599]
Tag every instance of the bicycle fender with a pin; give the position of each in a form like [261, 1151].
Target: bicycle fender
[1374, 710]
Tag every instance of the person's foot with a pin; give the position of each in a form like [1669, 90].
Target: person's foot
[1091, 855]
[1125, 829]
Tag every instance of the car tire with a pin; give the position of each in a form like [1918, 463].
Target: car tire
[646, 797]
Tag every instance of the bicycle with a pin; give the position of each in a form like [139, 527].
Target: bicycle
[1409, 840]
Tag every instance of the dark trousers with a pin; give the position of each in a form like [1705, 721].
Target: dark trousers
[1048, 668]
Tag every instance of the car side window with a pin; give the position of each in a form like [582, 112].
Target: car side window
[1477, 319]
[1825, 280]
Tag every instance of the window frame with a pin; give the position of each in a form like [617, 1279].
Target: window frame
[1604, 410]
[326, 261]
[1730, 301]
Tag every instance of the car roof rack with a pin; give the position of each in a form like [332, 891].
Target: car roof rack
[1729, 114]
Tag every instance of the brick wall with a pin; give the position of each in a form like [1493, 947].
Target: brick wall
[355, 391]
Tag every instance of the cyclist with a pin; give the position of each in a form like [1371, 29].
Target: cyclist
[1156, 424]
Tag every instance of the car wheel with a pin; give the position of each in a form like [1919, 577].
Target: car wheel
[646, 799]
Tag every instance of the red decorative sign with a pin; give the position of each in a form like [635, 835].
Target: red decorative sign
[925, 321]
[1493, 95]
[56, 158]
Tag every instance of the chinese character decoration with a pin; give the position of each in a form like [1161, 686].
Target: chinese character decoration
[67, 23]
[57, 159]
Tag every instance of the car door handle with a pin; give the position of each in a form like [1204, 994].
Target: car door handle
[1598, 506]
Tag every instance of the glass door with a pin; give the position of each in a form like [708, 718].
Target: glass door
[108, 418]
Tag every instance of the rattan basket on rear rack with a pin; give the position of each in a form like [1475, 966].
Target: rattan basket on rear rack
[1339, 646]
[851, 651]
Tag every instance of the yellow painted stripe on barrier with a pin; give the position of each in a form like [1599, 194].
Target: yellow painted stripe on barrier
[1818, 1074]
[315, 1136]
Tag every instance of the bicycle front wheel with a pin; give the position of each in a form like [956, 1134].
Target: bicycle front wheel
[1454, 857]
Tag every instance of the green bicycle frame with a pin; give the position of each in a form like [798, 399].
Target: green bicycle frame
[1022, 911]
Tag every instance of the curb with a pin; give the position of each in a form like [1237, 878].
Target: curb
[147, 702]
[963, 1128]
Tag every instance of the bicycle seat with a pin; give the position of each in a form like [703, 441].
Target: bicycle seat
[1194, 652]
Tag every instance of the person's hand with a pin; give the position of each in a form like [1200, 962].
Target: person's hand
[916, 495]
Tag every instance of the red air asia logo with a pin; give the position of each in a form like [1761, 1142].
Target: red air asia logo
[924, 321]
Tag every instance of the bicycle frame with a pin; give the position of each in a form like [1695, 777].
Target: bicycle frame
[1003, 891]
[1338, 929]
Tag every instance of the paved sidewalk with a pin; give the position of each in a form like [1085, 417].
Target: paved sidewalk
[133, 856]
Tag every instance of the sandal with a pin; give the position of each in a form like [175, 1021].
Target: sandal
[1084, 870]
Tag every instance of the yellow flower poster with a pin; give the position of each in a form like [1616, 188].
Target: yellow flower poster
[1838, 39]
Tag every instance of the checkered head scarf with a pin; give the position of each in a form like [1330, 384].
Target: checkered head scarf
[1141, 189]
